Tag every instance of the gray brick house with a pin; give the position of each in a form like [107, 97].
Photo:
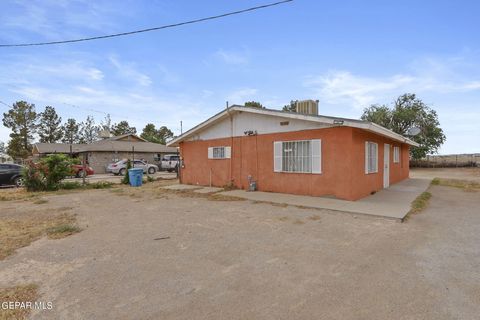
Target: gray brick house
[100, 153]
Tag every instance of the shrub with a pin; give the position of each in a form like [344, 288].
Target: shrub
[126, 178]
[33, 177]
[47, 174]
[58, 168]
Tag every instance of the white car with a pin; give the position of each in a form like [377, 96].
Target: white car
[170, 162]
[120, 167]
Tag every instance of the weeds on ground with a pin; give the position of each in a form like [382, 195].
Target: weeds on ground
[221, 197]
[62, 231]
[461, 184]
[419, 204]
[229, 186]
[71, 185]
[18, 194]
[25, 293]
[19, 233]
[298, 221]
[40, 201]
[100, 185]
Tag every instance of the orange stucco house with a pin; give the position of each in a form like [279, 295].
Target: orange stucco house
[290, 152]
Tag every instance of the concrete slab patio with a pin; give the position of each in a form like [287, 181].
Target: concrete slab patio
[393, 202]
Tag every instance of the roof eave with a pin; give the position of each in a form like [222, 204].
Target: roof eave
[321, 119]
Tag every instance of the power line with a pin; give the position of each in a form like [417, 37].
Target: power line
[149, 29]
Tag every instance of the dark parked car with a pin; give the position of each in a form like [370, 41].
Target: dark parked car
[11, 174]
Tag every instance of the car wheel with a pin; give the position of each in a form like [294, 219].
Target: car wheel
[151, 170]
[122, 171]
[80, 174]
[19, 182]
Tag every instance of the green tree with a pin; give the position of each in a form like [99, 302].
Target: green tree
[2, 147]
[49, 127]
[292, 107]
[123, 128]
[254, 104]
[88, 131]
[162, 135]
[22, 120]
[71, 132]
[410, 112]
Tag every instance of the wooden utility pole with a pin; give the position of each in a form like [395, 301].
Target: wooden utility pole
[84, 172]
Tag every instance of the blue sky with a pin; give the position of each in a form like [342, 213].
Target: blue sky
[347, 54]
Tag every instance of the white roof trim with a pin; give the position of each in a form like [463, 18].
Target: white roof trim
[365, 125]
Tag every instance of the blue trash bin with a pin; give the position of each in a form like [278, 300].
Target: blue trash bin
[135, 175]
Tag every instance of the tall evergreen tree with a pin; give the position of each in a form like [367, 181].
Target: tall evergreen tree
[49, 127]
[2, 147]
[150, 133]
[22, 120]
[123, 128]
[71, 132]
[292, 107]
[254, 104]
[88, 131]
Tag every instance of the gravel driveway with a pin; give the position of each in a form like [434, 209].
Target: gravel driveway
[245, 260]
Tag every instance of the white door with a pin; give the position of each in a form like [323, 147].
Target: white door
[386, 165]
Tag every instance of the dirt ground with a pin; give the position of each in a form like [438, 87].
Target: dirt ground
[245, 260]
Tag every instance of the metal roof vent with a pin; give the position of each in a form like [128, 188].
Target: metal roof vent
[307, 107]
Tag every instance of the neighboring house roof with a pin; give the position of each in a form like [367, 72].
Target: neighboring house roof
[106, 145]
[126, 146]
[333, 121]
[126, 137]
[43, 148]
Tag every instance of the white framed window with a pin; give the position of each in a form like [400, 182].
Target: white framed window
[371, 157]
[219, 152]
[396, 154]
[302, 156]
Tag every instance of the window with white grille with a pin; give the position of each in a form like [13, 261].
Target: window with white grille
[219, 152]
[396, 154]
[371, 157]
[303, 156]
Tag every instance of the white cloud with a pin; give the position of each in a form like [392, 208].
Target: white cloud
[207, 93]
[344, 87]
[242, 95]
[128, 71]
[55, 20]
[233, 57]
